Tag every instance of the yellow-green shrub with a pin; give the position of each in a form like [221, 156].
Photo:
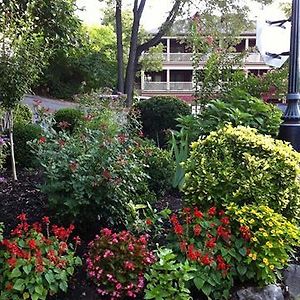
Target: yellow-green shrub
[271, 241]
[239, 165]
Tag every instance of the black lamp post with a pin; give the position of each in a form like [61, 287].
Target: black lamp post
[290, 128]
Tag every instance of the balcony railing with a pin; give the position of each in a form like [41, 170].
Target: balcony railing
[168, 86]
[187, 57]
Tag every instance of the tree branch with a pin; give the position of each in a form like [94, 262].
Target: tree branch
[163, 29]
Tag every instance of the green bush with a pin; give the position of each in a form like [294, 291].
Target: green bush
[239, 165]
[24, 133]
[159, 166]
[158, 114]
[22, 114]
[70, 115]
[239, 108]
[95, 175]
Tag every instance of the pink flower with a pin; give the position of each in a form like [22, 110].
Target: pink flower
[129, 265]
[106, 231]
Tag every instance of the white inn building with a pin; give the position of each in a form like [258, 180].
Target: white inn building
[176, 77]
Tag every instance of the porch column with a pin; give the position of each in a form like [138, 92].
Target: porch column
[168, 49]
[142, 80]
[168, 79]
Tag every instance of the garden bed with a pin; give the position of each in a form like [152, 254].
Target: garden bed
[24, 196]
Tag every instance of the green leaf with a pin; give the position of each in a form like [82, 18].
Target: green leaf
[63, 286]
[15, 273]
[206, 289]
[199, 282]
[19, 285]
[39, 289]
[27, 269]
[242, 269]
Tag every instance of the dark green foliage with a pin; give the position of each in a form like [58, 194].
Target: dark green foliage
[239, 108]
[24, 133]
[158, 114]
[70, 115]
[159, 167]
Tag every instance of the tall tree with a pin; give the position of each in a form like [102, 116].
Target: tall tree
[206, 8]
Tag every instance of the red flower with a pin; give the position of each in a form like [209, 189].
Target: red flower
[42, 140]
[63, 247]
[46, 220]
[12, 262]
[148, 222]
[212, 211]
[206, 260]
[22, 217]
[174, 219]
[106, 174]
[31, 244]
[211, 243]
[193, 254]
[77, 240]
[221, 265]
[122, 138]
[129, 265]
[198, 214]
[178, 229]
[9, 286]
[186, 210]
[224, 233]
[37, 227]
[245, 232]
[182, 246]
[197, 230]
[225, 220]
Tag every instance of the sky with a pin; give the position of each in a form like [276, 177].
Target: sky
[156, 11]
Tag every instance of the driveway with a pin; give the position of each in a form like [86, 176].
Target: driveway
[52, 104]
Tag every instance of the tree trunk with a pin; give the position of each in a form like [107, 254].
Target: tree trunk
[119, 34]
[132, 60]
[11, 140]
[137, 50]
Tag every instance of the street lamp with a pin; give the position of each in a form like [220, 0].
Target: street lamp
[290, 128]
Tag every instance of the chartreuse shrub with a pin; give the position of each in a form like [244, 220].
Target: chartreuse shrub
[23, 134]
[96, 173]
[272, 238]
[167, 278]
[159, 166]
[241, 166]
[22, 114]
[68, 118]
[35, 264]
[160, 113]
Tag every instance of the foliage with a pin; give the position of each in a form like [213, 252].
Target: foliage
[68, 118]
[239, 108]
[212, 246]
[152, 61]
[116, 262]
[97, 172]
[24, 133]
[159, 167]
[22, 114]
[35, 265]
[272, 240]
[239, 165]
[158, 114]
[21, 55]
[167, 278]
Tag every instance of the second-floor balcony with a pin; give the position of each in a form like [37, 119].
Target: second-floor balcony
[168, 86]
[186, 58]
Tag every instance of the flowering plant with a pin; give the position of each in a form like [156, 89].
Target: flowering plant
[116, 262]
[34, 264]
[272, 240]
[209, 242]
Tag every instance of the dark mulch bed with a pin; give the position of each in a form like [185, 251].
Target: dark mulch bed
[24, 196]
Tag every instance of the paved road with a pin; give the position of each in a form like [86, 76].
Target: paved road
[52, 104]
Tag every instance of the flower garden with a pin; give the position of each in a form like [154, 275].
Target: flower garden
[148, 203]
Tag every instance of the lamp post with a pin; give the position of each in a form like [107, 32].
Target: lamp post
[290, 128]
